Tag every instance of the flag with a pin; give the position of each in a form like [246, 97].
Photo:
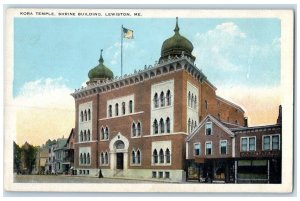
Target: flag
[127, 33]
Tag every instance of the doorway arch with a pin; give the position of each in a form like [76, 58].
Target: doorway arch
[119, 152]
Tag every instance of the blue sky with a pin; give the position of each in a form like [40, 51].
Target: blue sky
[229, 51]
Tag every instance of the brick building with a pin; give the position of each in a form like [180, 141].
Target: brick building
[222, 152]
[136, 125]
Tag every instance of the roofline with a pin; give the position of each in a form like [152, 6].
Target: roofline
[210, 84]
[255, 127]
[230, 103]
[227, 130]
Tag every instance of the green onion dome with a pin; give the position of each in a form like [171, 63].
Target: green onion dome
[176, 45]
[100, 72]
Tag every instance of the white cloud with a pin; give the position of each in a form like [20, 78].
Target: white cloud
[45, 93]
[115, 50]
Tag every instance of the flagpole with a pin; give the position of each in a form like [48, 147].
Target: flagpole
[122, 50]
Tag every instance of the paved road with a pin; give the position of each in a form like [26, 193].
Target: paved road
[71, 179]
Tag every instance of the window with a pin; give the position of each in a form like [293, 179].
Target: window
[102, 158]
[275, 142]
[267, 143]
[139, 129]
[133, 157]
[130, 106]
[106, 158]
[155, 156]
[88, 159]
[192, 125]
[208, 147]
[89, 114]
[81, 136]
[117, 109]
[168, 97]
[84, 158]
[110, 111]
[271, 142]
[197, 149]
[168, 156]
[206, 105]
[81, 159]
[167, 175]
[106, 133]
[89, 135]
[248, 144]
[155, 126]
[168, 125]
[81, 116]
[133, 129]
[123, 108]
[219, 116]
[189, 126]
[189, 99]
[153, 174]
[155, 100]
[161, 156]
[162, 99]
[223, 146]
[84, 138]
[208, 128]
[85, 115]
[87, 172]
[102, 133]
[192, 101]
[162, 126]
[138, 157]
[160, 175]
[195, 102]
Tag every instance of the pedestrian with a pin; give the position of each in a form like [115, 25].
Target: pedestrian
[100, 174]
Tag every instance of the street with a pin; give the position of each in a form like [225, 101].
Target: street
[72, 179]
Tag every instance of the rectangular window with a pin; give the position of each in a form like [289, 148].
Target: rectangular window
[267, 143]
[208, 128]
[252, 144]
[153, 174]
[197, 149]
[160, 175]
[208, 147]
[248, 144]
[167, 175]
[223, 145]
[275, 142]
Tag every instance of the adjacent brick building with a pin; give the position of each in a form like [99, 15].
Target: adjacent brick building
[136, 125]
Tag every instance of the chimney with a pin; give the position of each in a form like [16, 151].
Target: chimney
[279, 119]
[246, 121]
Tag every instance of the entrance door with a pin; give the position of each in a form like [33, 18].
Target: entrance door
[120, 161]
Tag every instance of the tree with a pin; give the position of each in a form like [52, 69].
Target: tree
[17, 158]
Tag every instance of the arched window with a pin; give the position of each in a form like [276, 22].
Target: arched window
[81, 159]
[81, 116]
[168, 156]
[106, 158]
[189, 125]
[195, 124]
[130, 106]
[138, 157]
[117, 109]
[81, 136]
[84, 138]
[155, 126]
[88, 159]
[155, 156]
[106, 133]
[110, 111]
[162, 125]
[85, 115]
[102, 133]
[192, 126]
[192, 101]
[139, 129]
[195, 102]
[84, 158]
[133, 129]
[102, 158]
[133, 157]
[162, 99]
[206, 105]
[155, 100]
[89, 114]
[88, 135]
[123, 108]
[161, 156]
[168, 97]
[168, 125]
[189, 99]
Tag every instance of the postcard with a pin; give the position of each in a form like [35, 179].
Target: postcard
[166, 100]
